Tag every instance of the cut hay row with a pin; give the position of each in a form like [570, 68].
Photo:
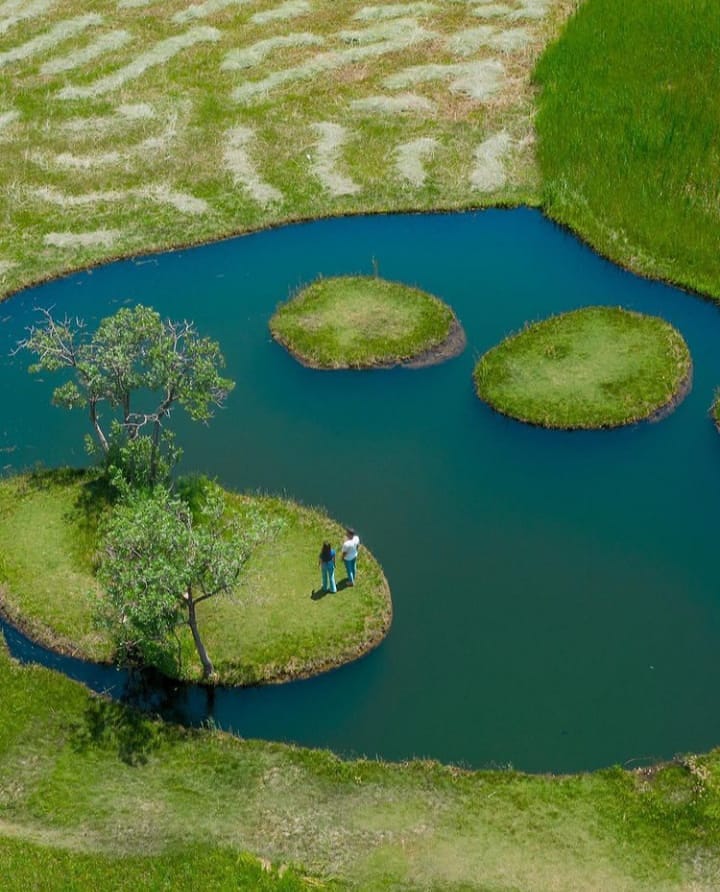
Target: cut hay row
[123, 115]
[15, 11]
[203, 10]
[108, 43]
[470, 40]
[160, 194]
[237, 161]
[247, 57]
[411, 157]
[407, 36]
[394, 11]
[161, 53]
[403, 104]
[59, 33]
[8, 117]
[489, 172]
[478, 80]
[71, 161]
[325, 166]
[289, 10]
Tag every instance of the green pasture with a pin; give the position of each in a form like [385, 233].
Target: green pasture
[94, 793]
[628, 127]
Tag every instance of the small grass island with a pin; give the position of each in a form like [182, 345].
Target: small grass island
[597, 367]
[277, 625]
[364, 322]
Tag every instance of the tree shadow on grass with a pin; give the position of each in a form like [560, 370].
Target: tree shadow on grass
[130, 727]
[108, 725]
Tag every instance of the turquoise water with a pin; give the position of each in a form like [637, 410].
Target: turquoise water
[555, 597]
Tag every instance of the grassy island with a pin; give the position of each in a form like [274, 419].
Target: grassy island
[592, 368]
[363, 322]
[270, 629]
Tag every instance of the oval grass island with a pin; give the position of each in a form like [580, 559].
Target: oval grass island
[597, 367]
[364, 322]
[276, 626]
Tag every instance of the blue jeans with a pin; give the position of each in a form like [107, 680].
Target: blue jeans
[350, 569]
[328, 576]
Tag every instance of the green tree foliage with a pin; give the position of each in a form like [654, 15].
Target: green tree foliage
[158, 562]
[129, 375]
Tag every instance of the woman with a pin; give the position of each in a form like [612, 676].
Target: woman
[327, 567]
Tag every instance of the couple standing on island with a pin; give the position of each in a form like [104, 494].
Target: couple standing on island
[348, 552]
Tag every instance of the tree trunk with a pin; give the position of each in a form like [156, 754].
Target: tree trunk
[208, 668]
[102, 439]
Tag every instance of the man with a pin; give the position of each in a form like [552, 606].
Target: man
[349, 554]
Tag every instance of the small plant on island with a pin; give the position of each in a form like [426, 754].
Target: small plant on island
[596, 367]
[366, 322]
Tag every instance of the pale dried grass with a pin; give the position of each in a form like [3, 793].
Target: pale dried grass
[478, 80]
[58, 34]
[108, 43]
[161, 53]
[289, 10]
[410, 159]
[238, 162]
[332, 137]
[489, 171]
[246, 57]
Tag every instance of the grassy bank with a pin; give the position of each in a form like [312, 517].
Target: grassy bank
[85, 783]
[138, 126]
[591, 368]
[364, 322]
[627, 134]
[270, 629]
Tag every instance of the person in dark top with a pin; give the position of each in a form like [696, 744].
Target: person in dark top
[327, 567]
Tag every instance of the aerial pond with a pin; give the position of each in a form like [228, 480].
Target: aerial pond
[555, 594]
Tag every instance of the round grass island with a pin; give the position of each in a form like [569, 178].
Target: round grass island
[597, 367]
[277, 625]
[364, 322]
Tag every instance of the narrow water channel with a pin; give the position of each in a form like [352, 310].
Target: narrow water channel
[556, 605]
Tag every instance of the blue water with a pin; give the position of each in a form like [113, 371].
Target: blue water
[555, 594]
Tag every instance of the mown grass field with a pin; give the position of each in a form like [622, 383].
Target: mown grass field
[360, 322]
[269, 629]
[628, 127]
[592, 368]
[139, 125]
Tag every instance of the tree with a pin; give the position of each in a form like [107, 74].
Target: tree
[134, 356]
[158, 563]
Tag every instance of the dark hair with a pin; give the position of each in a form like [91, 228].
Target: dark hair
[326, 553]
[350, 531]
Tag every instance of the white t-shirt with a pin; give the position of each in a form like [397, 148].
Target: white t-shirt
[350, 548]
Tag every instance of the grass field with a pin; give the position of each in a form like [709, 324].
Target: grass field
[269, 629]
[92, 792]
[141, 125]
[594, 367]
[628, 129]
[360, 322]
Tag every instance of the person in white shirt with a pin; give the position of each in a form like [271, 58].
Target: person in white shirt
[349, 553]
